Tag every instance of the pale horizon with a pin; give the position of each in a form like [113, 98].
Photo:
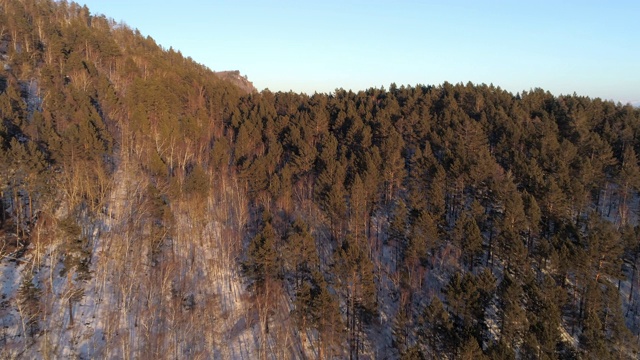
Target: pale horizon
[583, 47]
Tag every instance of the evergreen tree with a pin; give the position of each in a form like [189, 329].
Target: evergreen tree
[398, 229]
[356, 272]
[468, 237]
[300, 252]
[436, 328]
[629, 181]
[262, 263]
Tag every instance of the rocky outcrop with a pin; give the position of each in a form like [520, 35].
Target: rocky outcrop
[239, 80]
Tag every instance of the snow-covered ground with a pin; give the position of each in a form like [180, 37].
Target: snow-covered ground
[192, 303]
[187, 298]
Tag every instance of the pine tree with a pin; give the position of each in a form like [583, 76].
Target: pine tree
[468, 237]
[511, 227]
[356, 271]
[436, 328]
[197, 183]
[300, 252]
[29, 306]
[263, 268]
[262, 263]
[592, 338]
[398, 228]
[603, 246]
[629, 179]
[424, 237]
[326, 317]
[513, 320]
[543, 304]
[393, 166]
[358, 210]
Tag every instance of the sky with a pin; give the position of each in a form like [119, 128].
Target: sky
[588, 47]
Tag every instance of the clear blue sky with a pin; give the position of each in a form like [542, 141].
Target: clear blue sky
[588, 47]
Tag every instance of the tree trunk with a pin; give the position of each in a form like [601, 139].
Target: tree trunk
[633, 277]
[2, 207]
[490, 250]
[16, 205]
[70, 313]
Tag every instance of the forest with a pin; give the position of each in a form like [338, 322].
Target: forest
[153, 208]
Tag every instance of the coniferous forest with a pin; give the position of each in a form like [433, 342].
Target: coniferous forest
[152, 208]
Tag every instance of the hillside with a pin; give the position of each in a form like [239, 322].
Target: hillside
[153, 208]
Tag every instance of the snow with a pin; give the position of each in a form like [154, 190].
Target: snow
[193, 302]
[10, 331]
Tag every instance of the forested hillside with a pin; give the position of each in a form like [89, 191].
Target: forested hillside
[152, 208]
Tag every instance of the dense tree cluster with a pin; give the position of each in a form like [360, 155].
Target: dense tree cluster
[523, 202]
[457, 220]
